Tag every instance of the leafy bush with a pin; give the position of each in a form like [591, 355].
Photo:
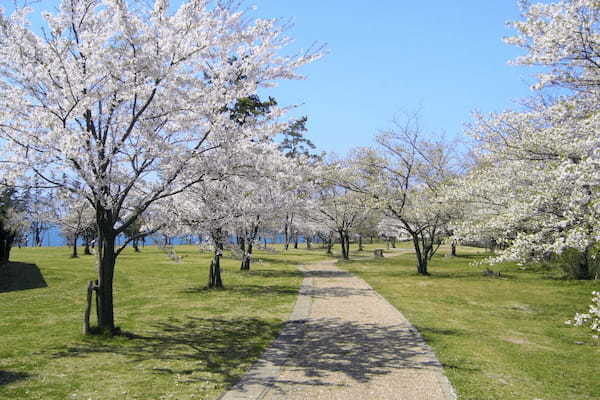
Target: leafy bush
[569, 260]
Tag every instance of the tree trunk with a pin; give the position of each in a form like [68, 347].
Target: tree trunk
[583, 266]
[105, 263]
[6, 242]
[296, 241]
[330, 244]
[241, 242]
[74, 253]
[136, 246]
[344, 245]
[421, 256]
[360, 243]
[106, 260]
[286, 239]
[453, 248]
[347, 237]
[247, 258]
[308, 243]
[393, 240]
[214, 274]
[86, 249]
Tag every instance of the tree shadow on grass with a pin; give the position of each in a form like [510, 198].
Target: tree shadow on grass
[249, 290]
[196, 350]
[273, 273]
[287, 261]
[8, 377]
[15, 276]
[193, 349]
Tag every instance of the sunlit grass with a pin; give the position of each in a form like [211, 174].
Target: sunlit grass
[186, 342]
[498, 338]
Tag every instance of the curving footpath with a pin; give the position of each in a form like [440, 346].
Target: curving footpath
[344, 341]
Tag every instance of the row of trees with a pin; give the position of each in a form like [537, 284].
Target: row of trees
[127, 106]
[138, 120]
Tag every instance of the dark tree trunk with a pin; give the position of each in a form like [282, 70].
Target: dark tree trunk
[106, 259]
[247, 258]
[214, 274]
[136, 246]
[86, 249]
[296, 241]
[371, 239]
[453, 248]
[330, 244]
[74, 253]
[583, 266]
[360, 243]
[308, 243]
[347, 237]
[422, 256]
[6, 243]
[344, 244]
[393, 240]
[249, 240]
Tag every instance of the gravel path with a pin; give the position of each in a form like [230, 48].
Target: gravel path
[344, 341]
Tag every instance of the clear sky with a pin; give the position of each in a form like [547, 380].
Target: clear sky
[445, 58]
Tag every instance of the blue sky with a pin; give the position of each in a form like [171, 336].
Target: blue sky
[445, 58]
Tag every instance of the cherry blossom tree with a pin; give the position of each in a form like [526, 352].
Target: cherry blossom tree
[130, 103]
[534, 189]
[404, 177]
[74, 215]
[340, 210]
[563, 37]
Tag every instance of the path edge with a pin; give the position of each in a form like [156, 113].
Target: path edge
[442, 379]
[264, 369]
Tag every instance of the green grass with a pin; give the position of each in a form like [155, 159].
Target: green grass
[498, 338]
[188, 343]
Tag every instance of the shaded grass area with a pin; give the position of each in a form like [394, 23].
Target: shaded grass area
[498, 338]
[183, 342]
[20, 276]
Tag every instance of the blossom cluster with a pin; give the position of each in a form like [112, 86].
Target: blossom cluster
[591, 318]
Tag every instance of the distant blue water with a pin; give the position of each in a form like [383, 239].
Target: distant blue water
[53, 238]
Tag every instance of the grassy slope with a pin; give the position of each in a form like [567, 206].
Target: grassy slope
[191, 343]
[497, 338]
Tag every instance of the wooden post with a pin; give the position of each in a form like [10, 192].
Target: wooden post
[88, 308]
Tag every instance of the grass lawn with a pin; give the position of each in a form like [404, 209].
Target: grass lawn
[189, 343]
[498, 338]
